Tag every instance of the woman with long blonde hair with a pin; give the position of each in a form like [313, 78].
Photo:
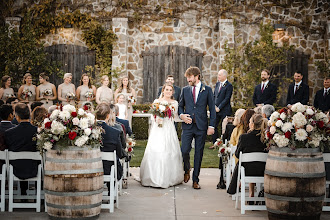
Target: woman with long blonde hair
[27, 92]
[86, 92]
[125, 88]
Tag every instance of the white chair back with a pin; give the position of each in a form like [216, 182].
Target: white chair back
[326, 207]
[3, 175]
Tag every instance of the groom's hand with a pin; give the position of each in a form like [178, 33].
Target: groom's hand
[186, 118]
[210, 131]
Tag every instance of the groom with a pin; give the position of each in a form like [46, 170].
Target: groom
[193, 104]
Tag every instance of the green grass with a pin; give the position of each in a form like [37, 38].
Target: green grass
[210, 156]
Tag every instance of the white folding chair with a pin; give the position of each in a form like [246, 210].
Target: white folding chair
[19, 156]
[3, 156]
[112, 179]
[241, 178]
[326, 158]
[232, 162]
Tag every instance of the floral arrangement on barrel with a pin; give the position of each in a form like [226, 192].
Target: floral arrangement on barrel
[69, 126]
[224, 149]
[161, 110]
[130, 144]
[301, 127]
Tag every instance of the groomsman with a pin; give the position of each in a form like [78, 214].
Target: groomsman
[322, 97]
[222, 94]
[264, 93]
[298, 91]
[177, 90]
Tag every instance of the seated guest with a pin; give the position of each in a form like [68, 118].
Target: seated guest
[13, 101]
[267, 110]
[38, 116]
[18, 139]
[242, 127]
[110, 139]
[253, 141]
[35, 104]
[124, 122]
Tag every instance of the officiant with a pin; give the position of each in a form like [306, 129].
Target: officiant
[177, 90]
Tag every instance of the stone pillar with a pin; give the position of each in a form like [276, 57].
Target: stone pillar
[226, 34]
[14, 23]
[119, 52]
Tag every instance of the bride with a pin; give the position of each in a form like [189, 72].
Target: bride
[161, 165]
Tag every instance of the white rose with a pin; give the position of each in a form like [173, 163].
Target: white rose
[46, 120]
[81, 141]
[75, 121]
[281, 140]
[315, 140]
[309, 111]
[81, 111]
[287, 126]
[283, 116]
[299, 120]
[274, 116]
[91, 118]
[269, 123]
[298, 107]
[48, 145]
[272, 129]
[64, 115]
[88, 131]
[54, 114]
[39, 129]
[83, 123]
[309, 128]
[57, 127]
[301, 134]
[69, 108]
[279, 123]
[162, 108]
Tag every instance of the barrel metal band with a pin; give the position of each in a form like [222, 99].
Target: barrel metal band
[74, 206]
[294, 199]
[276, 211]
[56, 160]
[294, 159]
[88, 193]
[55, 172]
[297, 175]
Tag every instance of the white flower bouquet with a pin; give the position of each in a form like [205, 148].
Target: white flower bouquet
[224, 150]
[131, 99]
[9, 95]
[130, 143]
[68, 126]
[89, 94]
[70, 96]
[48, 92]
[161, 110]
[301, 127]
[26, 93]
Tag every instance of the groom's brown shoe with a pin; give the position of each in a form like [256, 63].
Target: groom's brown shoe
[186, 177]
[196, 185]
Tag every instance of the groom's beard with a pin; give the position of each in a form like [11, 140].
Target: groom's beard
[192, 83]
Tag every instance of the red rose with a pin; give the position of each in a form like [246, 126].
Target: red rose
[74, 114]
[287, 134]
[269, 135]
[85, 107]
[48, 124]
[72, 135]
[129, 149]
[320, 124]
[222, 150]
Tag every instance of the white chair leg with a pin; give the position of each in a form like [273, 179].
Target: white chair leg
[242, 192]
[11, 189]
[112, 186]
[38, 189]
[3, 189]
[228, 173]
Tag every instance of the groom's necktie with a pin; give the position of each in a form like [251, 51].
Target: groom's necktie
[194, 94]
[262, 88]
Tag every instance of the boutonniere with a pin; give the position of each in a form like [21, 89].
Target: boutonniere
[266, 86]
[203, 88]
[224, 84]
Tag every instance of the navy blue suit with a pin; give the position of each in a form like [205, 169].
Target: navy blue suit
[222, 101]
[111, 142]
[126, 124]
[197, 129]
[268, 96]
[176, 95]
[321, 102]
[302, 94]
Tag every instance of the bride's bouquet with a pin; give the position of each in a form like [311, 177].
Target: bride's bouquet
[162, 109]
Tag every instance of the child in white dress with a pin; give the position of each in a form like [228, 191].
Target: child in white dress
[122, 106]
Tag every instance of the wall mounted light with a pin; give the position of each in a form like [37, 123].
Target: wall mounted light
[68, 25]
[279, 27]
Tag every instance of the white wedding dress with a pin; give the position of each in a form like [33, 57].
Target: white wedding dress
[161, 165]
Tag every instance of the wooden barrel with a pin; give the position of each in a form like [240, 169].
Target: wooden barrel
[73, 182]
[294, 183]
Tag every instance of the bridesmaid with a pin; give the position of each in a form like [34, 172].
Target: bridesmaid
[27, 92]
[67, 90]
[125, 88]
[86, 92]
[46, 91]
[6, 91]
[104, 93]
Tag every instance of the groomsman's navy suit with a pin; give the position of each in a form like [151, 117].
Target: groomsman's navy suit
[126, 124]
[198, 128]
[111, 142]
[222, 101]
[176, 94]
[301, 95]
[268, 96]
[322, 102]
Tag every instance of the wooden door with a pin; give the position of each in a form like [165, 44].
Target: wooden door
[159, 62]
[73, 59]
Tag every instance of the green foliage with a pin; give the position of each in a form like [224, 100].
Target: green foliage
[246, 61]
[323, 67]
[21, 52]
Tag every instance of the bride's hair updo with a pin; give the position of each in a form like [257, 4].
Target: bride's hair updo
[164, 86]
